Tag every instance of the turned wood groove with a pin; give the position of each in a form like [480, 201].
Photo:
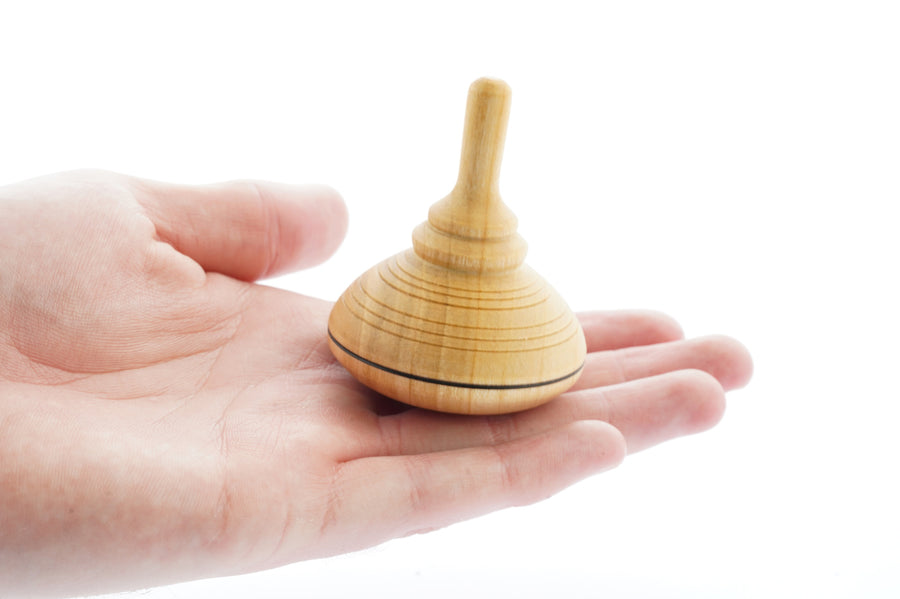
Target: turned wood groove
[452, 383]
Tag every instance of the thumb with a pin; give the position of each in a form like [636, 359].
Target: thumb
[247, 229]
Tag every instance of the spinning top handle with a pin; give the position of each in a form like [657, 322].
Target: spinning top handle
[487, 114]
[474, 210]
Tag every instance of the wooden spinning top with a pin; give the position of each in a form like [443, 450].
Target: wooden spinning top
[458, 323]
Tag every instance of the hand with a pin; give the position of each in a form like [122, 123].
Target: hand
[163, 418]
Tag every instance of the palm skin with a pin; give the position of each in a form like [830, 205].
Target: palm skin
[163, 418]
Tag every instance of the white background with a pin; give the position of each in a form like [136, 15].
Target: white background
[735, 164]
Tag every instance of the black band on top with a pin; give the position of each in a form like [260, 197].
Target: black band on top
[425, 379]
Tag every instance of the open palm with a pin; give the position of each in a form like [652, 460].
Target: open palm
[164, 418]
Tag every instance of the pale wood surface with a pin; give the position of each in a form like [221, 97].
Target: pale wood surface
[458, 323]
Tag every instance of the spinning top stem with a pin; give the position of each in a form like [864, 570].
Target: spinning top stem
[487, 115]
[472, 229]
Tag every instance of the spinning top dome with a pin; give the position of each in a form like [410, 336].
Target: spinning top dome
[458, 323]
